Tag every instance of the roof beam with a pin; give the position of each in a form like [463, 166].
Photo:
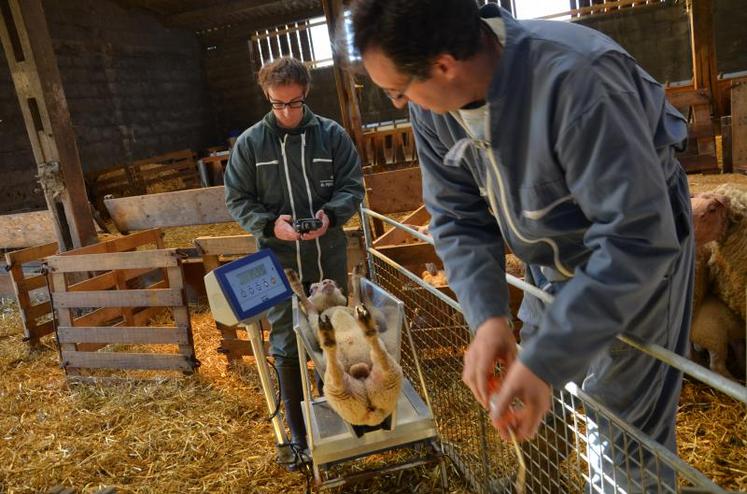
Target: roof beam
[196, 19]
[33, 65]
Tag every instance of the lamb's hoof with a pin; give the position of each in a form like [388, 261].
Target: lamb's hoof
[326, 332]
[364, 316]
[292, 276]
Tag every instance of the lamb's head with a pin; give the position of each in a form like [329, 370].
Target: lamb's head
[710, 216]
[737, 204]
[326, 294]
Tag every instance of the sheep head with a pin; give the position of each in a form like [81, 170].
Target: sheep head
[710, 217]
[326, 294]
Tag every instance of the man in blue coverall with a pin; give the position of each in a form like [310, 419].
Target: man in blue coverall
[548, 136]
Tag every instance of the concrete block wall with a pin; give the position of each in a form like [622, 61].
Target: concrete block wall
[237, 101]
[658, 36]
[730, 19]
[17, 164]
[134, 88]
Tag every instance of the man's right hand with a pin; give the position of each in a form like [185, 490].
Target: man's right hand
[494, 343]
[284, 228]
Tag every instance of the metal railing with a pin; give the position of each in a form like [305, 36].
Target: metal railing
[562, 457]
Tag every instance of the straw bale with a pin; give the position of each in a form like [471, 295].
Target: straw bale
[712, 435]
[703, 183]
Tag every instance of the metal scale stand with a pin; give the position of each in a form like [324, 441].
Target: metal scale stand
[333, 441]
[241, 293]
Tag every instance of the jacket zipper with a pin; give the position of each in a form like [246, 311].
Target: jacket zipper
[311, 204]
[293, 204]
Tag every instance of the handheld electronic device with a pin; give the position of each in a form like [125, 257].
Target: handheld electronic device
[306, 225]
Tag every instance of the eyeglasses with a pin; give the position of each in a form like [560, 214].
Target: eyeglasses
[280, 105]
[396, 96]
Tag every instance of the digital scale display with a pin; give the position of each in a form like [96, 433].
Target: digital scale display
[255, 283]
[243, 289]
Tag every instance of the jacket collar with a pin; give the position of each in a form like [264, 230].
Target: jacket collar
[515, 33]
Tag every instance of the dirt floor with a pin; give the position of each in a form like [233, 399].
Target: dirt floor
[209, 433]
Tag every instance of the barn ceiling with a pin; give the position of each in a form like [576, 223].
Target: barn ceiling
[202, 15]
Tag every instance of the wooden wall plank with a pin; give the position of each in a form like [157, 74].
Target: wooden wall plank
[32, 282]
[120, 360]
[395, 191]
[122, 334]
[410, 254]
[35, 311]
[121, 244]
[739, 127]
[181, 313]
[31, 254]
[159, 297]
[231, 245]
[180, 208]
[97, 317]
[112, 261]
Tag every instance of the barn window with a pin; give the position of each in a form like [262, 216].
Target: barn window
[306, 40]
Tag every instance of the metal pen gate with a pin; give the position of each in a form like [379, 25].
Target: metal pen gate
[557, 460]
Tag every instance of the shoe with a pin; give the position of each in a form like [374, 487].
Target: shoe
[291, 457]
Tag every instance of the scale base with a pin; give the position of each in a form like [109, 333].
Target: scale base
[333, 440]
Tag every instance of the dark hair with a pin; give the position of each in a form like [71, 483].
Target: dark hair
[414, 32]
[283, 71]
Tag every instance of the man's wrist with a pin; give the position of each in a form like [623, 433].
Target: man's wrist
[331, 215]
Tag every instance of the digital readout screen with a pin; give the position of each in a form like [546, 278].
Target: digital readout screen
[255, 283]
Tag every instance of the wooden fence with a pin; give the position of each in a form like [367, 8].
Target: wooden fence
[389, 149]
[171, 171]
[123, 286]
[36, 314]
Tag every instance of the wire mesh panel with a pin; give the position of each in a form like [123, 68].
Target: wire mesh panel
[581, 446]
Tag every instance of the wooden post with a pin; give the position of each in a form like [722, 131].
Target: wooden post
[349, 108]
[33, 65]
[703, 45]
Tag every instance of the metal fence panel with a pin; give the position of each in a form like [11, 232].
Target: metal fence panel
[558, 459]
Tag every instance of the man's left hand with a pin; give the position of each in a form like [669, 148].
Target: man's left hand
[320, 215]
[534, 393]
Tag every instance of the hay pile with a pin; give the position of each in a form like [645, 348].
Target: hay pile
[206, 433]
[704, 183]
[712, 435]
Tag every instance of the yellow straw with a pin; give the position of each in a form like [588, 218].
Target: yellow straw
[522, 473]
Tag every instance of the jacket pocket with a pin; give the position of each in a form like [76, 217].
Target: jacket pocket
[270, 184]
[550, 208]
[323, 174]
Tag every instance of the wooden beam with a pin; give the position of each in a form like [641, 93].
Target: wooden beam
[232, 245]
[197, 17]
[115, 260]
[349, 107]
[33, 65]
[263, 13]
[116, 360]
[245, 30]
[180, 208]
[739, 127]
[703, 45]
[158, 297]
[151, 335]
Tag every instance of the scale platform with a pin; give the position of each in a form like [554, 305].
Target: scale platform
[333, 439]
